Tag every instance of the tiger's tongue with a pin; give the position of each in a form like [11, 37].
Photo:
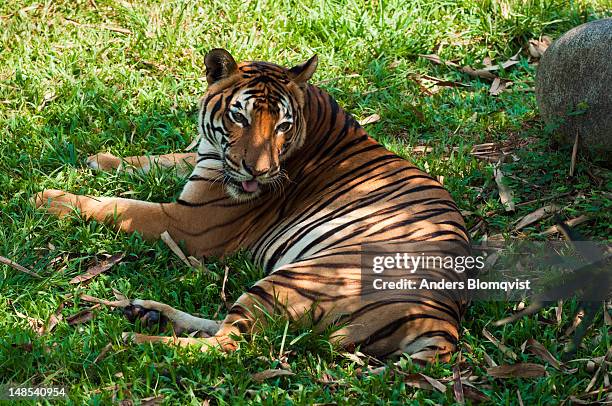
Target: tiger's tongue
[250, 186]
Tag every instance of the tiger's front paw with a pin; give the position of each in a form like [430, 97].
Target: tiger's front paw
[56, 202]
[104, 162]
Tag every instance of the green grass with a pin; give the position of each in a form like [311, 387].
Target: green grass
[70, 87]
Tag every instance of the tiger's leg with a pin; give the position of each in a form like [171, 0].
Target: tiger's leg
[184, 162]
[129, 215]
[152, 312]
[150, 219]
[281, 293]
[326, 294]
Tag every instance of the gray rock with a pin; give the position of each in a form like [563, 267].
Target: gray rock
[574, 86]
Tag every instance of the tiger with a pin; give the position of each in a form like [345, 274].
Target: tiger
[283, 172]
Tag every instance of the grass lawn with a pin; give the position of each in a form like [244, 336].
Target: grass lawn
[79, 77]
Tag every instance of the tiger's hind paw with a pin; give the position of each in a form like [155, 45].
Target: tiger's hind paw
[152, 314]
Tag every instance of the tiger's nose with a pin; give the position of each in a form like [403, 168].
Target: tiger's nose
[253, 171]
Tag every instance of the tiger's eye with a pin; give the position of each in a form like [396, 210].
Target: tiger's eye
[283, 127]
[239, 118]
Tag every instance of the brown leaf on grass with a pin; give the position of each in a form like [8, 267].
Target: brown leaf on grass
[193, 143]
[35, 324]
[458, 386]
[414, 380]
[434, 383]
[353, 357]
[444, 82]
[96, 270]
[475, 395]
[119, 295]
[498, 86]
[507, 351]
[270, 373]
[437, 60]
[223, 298]
[478, 73]
[152, 401]
[602, 368]
[83, 316]
[199, 265]
[103, 353]
[571, 223]
[110, 303]
[489, 360]
[371, 119]
[165, 236]
[505, 193]
[537, 349]
[521, 370]
[514, 59]
[536, 216]
[53, 321]
[537, 47]
[18, 267]
[593, 380]
[520, 399]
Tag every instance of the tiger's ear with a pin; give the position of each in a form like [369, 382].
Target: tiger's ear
[219, 65]
[300, 74]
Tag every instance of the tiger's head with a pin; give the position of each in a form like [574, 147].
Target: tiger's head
[252, 119]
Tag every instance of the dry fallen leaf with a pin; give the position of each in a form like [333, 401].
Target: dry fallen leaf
[505, 193]
[457, 386]
[83, 316]
[152, 401]
[478, 73]
[370, 119]
[536, 348]
[165, 236]
[536, 216]
[119, 295]
[353, 357]
[571, 223]
[475, 395]
[96, 270]
[103, 353]
[414, 380]
[18, 267]
[507, 351]
[223, 297]
[520, 399]
[498, 86]
[111, 303]
[193, 143]
[434, 383]
[270, 373]
[444, 82]
[437, 60]
[537, 47]
[53, 321]
[521, 370]
[489, 360]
